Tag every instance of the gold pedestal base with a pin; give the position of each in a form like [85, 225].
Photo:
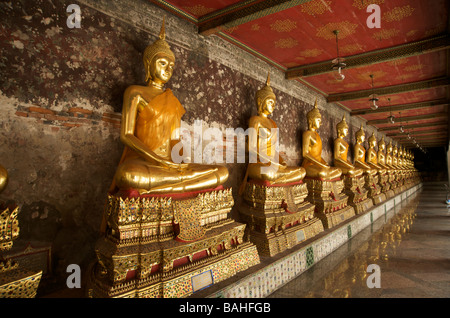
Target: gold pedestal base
[379, 198]
[331, 206]
[357, 194]
[182, 283]
[374, 189]
[274, 243]
[15, 280]
[390, 194]
[19, 283]
[277, 216]
[153, 243]
[386, 186]
[330, 220]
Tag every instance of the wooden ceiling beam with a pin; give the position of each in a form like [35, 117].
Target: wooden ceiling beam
[402, 107]
[242, 12]
[427, 143]
[422, 138]
[409, 118]
[395, 89]
[378, 56]
[391, 128]
[418, 132]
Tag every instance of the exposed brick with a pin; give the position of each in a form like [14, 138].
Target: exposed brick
[55, 129]
[40, 110]
[82, 120]
[80, 110]
[112, 115]
[71, 125]
[50, 116]
[109, 120]
[62, 118]
[36, 115]
[23, 114]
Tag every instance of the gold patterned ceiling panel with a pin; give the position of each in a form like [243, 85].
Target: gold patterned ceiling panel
[408, 55]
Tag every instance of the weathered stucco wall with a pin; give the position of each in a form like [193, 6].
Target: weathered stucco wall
[61, 98]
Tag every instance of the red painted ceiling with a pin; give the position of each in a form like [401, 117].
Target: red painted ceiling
[301, 35]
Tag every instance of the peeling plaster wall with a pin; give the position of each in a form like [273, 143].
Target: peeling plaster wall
[61, 98]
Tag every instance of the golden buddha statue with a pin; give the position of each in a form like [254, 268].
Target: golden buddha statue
[360, 153]
[400, 157]
[270, 166]
[395, 157]
[3, 178]
[389, 159]
[404, 158]
[353, 177]
[381, 156]
[325, 185]
[341, 151]
[164, 221]
[150, 118]
[314, 164]
[372, 158]
[274, 205]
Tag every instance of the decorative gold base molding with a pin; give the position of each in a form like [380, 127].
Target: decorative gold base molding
[362, 206]
[379, 198]
[19, 283]
[331, 205]
[390, 194]
[184, 283]
[277, 216]
[357, 194]
[276, 242]
[332, 219]
[151, 240]
[16, 281]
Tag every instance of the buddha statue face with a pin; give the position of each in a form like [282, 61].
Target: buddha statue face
[372, 142]
[315, 122]
[314, 118]
[395, 151]
[360, 136]
[381, 146]
[161, 68]
[344, 131]
[267, 106]
[342, 128]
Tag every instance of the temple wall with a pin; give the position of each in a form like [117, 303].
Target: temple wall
[61, 98]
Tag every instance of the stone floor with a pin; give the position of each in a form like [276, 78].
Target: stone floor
[411, 246]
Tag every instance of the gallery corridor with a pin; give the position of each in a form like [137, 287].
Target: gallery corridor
[411, 246]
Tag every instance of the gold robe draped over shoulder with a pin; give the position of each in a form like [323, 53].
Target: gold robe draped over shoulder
[156, 123]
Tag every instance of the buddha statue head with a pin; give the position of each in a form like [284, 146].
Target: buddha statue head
[395, 151]
[372, 141]
[342, 128]
[314, 118]
[381, 144]
[159, 60]
[265, 99]
[389, 147]
[360, 135]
